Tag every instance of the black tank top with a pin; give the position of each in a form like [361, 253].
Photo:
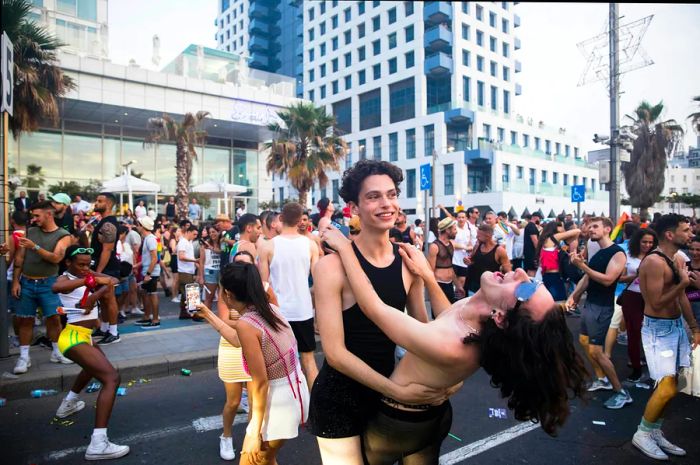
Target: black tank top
[444, 255]
[406, 236]
[362, 337]
[482, 262]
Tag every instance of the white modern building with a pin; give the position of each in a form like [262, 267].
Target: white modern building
[682, 177]
[406, 79]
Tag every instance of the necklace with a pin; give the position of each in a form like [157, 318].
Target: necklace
[469, 327]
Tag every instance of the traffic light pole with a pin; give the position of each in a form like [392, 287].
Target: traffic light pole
[614, 114]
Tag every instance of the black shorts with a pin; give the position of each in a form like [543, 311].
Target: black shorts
[151, 286]
[529, 264]
[304, 333]
[460, 271]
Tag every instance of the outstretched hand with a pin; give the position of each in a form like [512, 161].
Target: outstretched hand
[415, 260]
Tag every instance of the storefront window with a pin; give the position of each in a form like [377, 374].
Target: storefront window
[165, 168]
[82, 156]
[145, 158]
[41, 149]
[111, 162]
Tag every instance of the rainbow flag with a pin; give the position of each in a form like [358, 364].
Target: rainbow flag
[618, 227]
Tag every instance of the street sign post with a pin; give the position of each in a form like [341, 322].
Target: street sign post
[425, 177]
[8, 84]
[578, 195]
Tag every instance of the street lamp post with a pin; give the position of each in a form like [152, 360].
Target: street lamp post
[127, 170]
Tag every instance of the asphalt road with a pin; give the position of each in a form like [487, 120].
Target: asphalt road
[173, 420]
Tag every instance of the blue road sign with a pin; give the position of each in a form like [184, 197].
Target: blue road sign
[425, 177]
[578, 193]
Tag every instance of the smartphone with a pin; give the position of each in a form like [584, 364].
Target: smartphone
[342, 228]
[192, 297]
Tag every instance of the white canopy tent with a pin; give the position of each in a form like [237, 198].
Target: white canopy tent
[217, 187]
[130, 184]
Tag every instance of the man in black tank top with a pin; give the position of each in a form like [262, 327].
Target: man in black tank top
[359, 356]
[486, 256]
[440, 255]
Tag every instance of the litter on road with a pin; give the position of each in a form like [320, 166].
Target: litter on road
[600, 423]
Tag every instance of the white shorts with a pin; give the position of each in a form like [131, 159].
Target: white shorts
[616, 318]
[283, 413]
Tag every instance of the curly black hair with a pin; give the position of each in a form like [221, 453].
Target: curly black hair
[534, 364]
[353, 177]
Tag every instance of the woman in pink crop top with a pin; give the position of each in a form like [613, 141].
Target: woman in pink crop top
[279, 394]
[548, 248]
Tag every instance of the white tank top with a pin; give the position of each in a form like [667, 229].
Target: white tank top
[289, 276]
[70, 300]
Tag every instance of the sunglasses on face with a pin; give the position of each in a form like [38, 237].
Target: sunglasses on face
[82, 250]
[525, 291]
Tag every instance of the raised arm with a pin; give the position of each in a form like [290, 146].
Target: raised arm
[567, 235]
[612, 272]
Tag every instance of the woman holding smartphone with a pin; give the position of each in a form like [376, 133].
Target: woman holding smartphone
[278, 389]
[209, 264]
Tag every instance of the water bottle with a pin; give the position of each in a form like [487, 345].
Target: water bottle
[36, 393]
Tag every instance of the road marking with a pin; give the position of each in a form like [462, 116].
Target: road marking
[477, 447]
[200, 425]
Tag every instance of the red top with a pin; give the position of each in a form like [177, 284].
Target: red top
[549, 259]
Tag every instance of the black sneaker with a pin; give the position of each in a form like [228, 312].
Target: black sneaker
[151, 325]
[121, 318]
[109, 339]
[635, 376]
[43, 341]
[99, 333]
[142, 322]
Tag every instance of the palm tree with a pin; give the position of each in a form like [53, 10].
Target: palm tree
[304, 147]
[35, 177]
[695, 117]
[39, 81]
[186, 134]
[656, 142]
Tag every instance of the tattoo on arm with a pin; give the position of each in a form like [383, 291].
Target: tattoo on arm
[108, 233]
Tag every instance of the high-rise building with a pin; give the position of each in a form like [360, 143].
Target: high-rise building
[408, 79]
[267, 32]
[80, 24]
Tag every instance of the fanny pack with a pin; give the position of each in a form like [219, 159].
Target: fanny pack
[693, 296]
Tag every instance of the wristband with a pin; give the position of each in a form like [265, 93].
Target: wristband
[37, 247]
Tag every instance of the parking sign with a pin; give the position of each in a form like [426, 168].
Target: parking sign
[578, 193]
[425, 177]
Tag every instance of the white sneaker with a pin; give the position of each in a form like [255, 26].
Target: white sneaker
[226, 450]
[658, 436]
[646, 443]
[22, 365]
[175, 299]
[136, 311]
[69, 407]
[60, 358]
[101, 449]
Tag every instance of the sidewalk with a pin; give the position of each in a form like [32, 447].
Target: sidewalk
[140, 354]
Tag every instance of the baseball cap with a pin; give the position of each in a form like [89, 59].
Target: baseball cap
[147, 223]
[446, 223]
[61, 198]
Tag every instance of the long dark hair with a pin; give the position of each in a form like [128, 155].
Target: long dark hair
[548, 232]
[244, 282]
[635, 245]
[534, 364]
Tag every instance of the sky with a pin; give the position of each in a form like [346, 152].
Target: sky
[551, 62]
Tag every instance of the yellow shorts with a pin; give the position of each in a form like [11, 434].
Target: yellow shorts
[73, 335]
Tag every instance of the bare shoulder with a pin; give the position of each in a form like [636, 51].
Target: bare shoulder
[651, 263]
[329, 271]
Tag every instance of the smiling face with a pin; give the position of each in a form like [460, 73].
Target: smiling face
[499, 291]
[378, 203]
[647, 243]
[461, 219]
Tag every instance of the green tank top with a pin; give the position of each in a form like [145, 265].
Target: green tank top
[34, 265]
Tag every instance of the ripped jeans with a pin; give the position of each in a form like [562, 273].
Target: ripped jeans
[666, 346]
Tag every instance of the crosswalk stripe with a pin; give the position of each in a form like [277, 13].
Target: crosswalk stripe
[482, 445]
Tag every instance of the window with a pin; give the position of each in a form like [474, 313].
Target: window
[583, 181]
[348, 156]
[513, 138]
[506, 173]
[343, 115]
[323, 7]
[410, 60]
[361, 53]
[575, 152]
[449, 176]
[361, 77]
[479, 13]
[376, 23]
[311, 75]
[411, 183]
[334, 84]
[531, 179]
[360, 8]
[370, 109]
[494, 69]
[409, 33]
[479, 38]
[466, 58]
[392, 40]
[592, 185]
[492, 44]
[334, 64]
[322, 70]
[348, 59]
[323, 91]
[391, 14]
[377, 148]
[336, 189]
[480, 63]
[392, 66]
[334, 21]
[323, 49]
[361, 30]
[506, 102]
[526, 140]
[480, 93]
[410, 143]
[555, 177]
[362, 148]
[544, 176]
[376, 47]
[322, 28]
[429, 140]
[377, 71]
[506, 73]
[486, 128]
[402, 100]
[519, 172]
[565, 179]
[548, 147]
[465, 31]
[465, 7]
[567, 150]
[311, 55]
[347, 13]
[334, 43]
[492, 19]
[505, 27]
[501, 135]
[225, 4]
[375, 3]
[466, 87]
[347, 36]
[311, 95]
[538, 145]
[348, 82]
[506, 50]
[394, 146]
[408, 6]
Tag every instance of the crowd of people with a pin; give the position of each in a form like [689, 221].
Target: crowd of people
[500, 290]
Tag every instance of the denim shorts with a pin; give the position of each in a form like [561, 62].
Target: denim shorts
[122, 287]
[666, 346]
[37, 293]
[12, 303]
[211, 276]
[595, 321]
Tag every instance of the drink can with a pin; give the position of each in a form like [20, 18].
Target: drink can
[185, 372]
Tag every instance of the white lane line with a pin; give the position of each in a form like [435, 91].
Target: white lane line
[200, 425]
[477, 447]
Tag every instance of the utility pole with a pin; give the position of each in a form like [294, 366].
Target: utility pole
[614, 114]
[432, 183]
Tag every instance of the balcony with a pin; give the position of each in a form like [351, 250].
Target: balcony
[258, 43]
[258, 10]
[437, 12]
[438, 64]
[518, 89]
[259, 26]
[437, 39]
[517, 44]
[258, 60]
[461, 116]
[518, 66]
[480, 156]
[516, 20]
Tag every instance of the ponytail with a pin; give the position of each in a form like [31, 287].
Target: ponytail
[244, 282]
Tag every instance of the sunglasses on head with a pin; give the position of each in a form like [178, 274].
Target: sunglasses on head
[82, 250]
[525, 291]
